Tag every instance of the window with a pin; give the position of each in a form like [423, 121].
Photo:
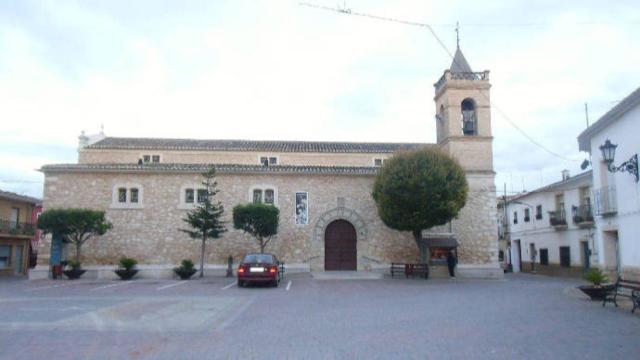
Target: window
[188, 196]
[202, 195]
[538, 212]
[263, 194]
[544, 256]
[122, 195]
[515, 217]
[127, 196]
[268, 160]
[565, 256]
[268, 196]
[378, 162]
[148, 158]
[526, 215]
[469, 126]
[257, 196]
[133, 195]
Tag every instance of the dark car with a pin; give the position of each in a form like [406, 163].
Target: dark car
[259, 268]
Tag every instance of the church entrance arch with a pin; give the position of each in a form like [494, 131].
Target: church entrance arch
[340, 250]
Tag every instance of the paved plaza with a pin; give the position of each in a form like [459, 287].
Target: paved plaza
[523, 316]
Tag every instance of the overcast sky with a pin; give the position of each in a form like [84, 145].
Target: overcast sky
[277, 70]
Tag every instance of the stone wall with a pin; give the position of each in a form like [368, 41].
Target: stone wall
[87, 156]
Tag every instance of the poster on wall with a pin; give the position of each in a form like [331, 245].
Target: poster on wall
[302, 208]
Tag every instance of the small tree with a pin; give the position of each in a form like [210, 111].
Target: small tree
[419, 189]
[206, 219]
[74, 225]
[258, 220]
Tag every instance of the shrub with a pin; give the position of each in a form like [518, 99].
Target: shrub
[74, 265]
[596, 277]
[185, 270]
[128, 263]
[187, 264]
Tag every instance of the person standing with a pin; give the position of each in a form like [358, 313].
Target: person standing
[451, 264]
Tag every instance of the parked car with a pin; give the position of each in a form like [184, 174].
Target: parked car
[260, 268]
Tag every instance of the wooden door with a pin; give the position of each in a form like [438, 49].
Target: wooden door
[340, 251]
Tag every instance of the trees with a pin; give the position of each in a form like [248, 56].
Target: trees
[74, 225]
[258, 220]
[419, 189]
[206, 218]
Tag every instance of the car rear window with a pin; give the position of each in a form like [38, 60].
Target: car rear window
[258, 258]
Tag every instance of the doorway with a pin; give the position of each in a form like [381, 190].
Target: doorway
[340, 250]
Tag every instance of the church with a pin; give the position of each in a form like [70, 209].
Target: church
[328, 218]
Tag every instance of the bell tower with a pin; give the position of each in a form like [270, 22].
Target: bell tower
[463, 118]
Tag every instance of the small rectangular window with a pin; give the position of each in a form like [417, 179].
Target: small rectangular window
[515, 217]
[544, 256]
[257, 196]
[538, 212]
[273, 161]
[202, 195]
[526, 215]
[122, 195]
[155, 158]
[264, 161]
[377, 162]
[134, 195]
[268, 196]
[146, 158]
[5, 256]
[188, 196]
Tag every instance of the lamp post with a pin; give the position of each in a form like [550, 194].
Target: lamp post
[609, 153]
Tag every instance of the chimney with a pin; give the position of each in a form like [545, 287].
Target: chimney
[565, 175]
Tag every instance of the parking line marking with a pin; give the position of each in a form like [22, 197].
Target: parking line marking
[108, 286]
[44, 287]
[228, 286]
[178, 283]
[289, 285]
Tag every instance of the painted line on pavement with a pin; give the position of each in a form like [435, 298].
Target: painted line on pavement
[228, 286]
[108, 286]
[178, 283]
[44, 287]
[289, 285]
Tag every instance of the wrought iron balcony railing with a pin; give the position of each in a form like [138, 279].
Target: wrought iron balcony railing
[9, 227]
[604, 201]
[582, 214]
[483, 75]
[557, 218]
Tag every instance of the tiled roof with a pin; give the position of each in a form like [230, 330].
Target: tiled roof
[16, 197]
[459, 63]
[249, 145]
[220, 168]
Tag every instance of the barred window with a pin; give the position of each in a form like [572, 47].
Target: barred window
[189, 196]
[257, 196]
[122, 195]
[133, 195]
[202, 195]
[269, 196]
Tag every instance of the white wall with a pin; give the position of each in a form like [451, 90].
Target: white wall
[625, 133]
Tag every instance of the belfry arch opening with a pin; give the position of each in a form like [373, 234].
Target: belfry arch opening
[469, 117]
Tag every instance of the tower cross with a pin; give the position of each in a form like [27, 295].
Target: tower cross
[457, 34]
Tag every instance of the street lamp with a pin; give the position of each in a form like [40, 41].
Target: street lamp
[609, 153]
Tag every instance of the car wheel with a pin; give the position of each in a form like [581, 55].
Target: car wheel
[240, 283]
[275, 282]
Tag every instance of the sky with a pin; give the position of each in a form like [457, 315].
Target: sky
[276, 70]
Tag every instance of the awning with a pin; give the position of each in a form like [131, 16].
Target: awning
[444, 241]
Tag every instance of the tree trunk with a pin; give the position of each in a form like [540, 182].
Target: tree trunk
[78, 253]
[424, 250]
[262, 245]
[204, 240]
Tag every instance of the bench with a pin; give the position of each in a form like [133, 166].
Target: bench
[623, 288]
[412, 270]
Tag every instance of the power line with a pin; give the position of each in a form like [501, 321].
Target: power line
[348, 11]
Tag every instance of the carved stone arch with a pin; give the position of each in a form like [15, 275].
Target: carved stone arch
[340, 213]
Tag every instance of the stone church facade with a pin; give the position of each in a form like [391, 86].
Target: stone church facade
[147, 185]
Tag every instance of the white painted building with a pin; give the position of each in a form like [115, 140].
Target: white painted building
[617, 193]
[549, 230]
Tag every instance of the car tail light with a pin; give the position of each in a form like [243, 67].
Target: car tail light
[273, 270]
[241, 270]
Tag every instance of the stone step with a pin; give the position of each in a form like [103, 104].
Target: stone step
[346, 275]
[438, 272]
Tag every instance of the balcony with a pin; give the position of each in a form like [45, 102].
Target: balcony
[604, 201]
[448, 75]
[582, 215]
[12, 228]
[558, 219]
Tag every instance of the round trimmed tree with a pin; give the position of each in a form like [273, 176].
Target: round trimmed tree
[419, 189]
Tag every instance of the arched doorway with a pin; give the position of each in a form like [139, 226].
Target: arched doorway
[340, 251]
